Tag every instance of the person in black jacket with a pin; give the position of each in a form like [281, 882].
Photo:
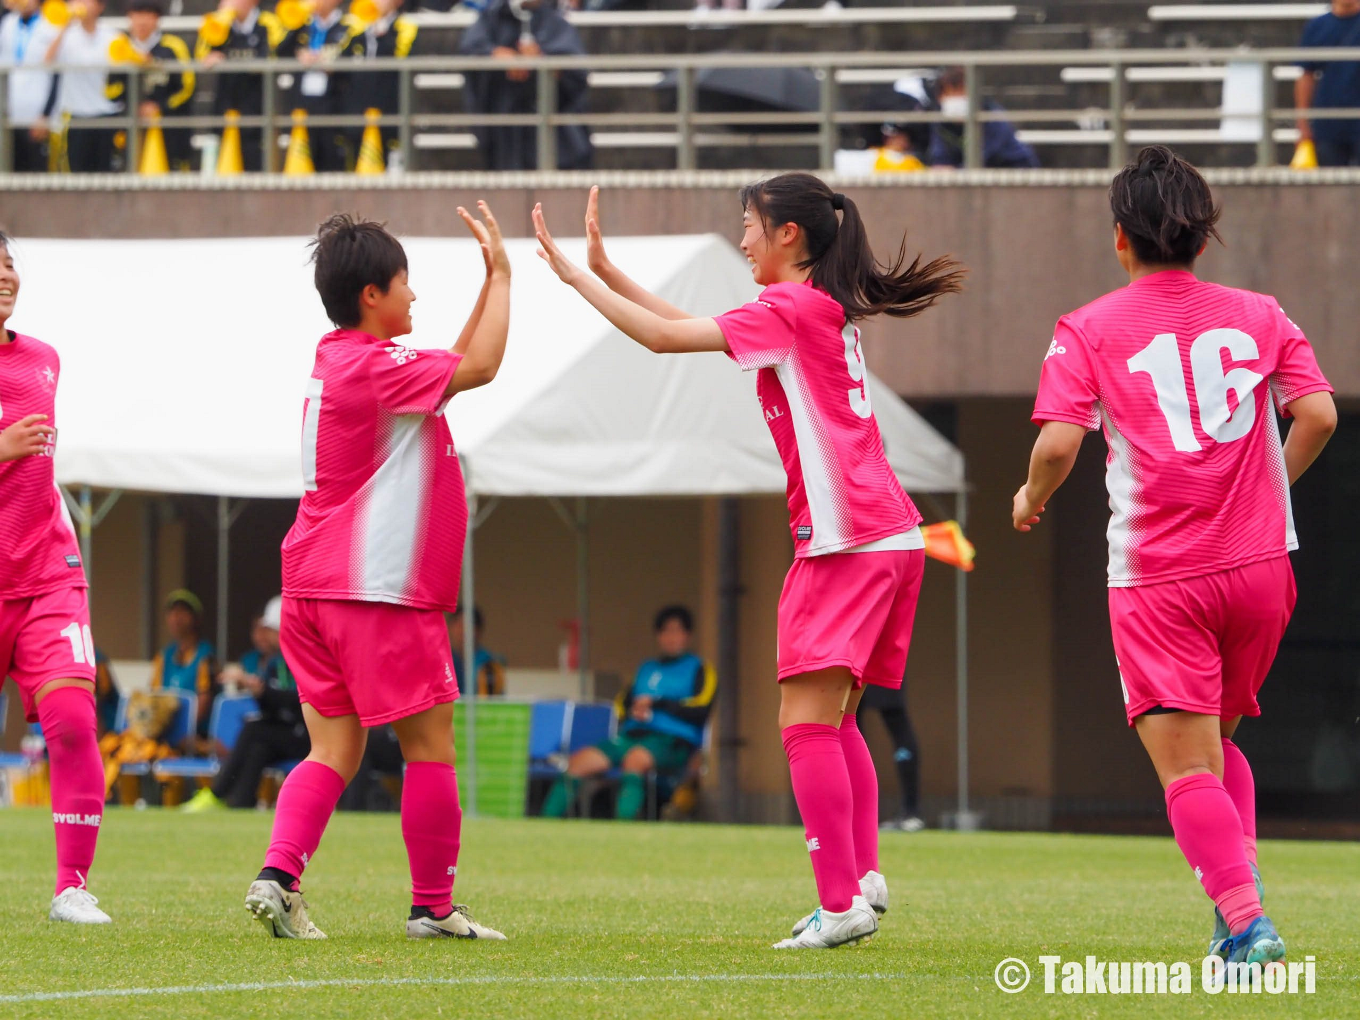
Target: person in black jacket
[511, 28]
[166, 86]
[252, 36]
[276, 735]
[317, 43]
[391, 35]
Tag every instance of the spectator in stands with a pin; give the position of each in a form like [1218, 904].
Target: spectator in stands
[106, 694]
[186, 663]
[165, 88]
[253, 34]
[25, 36]
[1334, 84]
[1001, 149]
[317, 43]
[662, 719]
[513, 28]
[488, 668]
[391, 35]
[276, 735]
[264, 643]
[896, 154]
[84, 93]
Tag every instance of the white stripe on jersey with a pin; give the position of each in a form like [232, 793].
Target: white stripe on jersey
[1279, 479]
[812, 459]
[1119, 481]
[392, 513]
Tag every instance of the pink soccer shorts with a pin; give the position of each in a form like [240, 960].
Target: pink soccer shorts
[850, 609]
[1204, 644]
[371, 659]
[45, 638]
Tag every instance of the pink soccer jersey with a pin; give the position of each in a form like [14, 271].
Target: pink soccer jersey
[384, 514]
[1181, 374]
[813, 389]
[38, 548]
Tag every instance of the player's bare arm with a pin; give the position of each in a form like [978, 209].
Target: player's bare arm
[483, 339]
[1055, 451]
[1314, 422]
[27, 437]
[659, 335]
[611, 275]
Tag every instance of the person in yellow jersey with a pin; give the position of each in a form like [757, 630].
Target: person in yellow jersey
[896, 154]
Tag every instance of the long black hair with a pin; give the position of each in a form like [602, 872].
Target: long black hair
[838, 250]
[1165, 207]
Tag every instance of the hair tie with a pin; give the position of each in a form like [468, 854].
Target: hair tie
[838, 201]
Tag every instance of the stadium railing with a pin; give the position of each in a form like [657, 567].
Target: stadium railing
[1115, 125]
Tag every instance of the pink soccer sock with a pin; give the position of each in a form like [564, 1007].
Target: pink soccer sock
[306, 802]
[821, 786]
[1241, 787]
[432, 826]
[859, 766]
[68, 724]
[1209, 833]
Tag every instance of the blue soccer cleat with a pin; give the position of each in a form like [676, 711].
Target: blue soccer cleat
[1260, 943]
[1218, 940]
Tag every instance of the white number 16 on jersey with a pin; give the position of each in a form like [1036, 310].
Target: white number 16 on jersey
[1161, 359]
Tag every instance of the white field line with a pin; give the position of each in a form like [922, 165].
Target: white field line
[493, 979]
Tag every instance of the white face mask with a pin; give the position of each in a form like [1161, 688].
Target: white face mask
[954, 106]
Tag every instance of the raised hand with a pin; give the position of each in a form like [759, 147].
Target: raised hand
[488, 234]
[566, 270]
[27, 437]
[596, 259]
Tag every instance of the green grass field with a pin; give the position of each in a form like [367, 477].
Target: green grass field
[609, 920]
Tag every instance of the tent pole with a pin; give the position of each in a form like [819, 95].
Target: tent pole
[583, 600]
[467, 603]
[223, 559]
[964, 819]
[729, 657]
[86, 531]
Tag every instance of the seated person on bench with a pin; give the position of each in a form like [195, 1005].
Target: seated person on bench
[662, 719]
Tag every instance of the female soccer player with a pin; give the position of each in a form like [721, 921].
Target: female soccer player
[373, 563]
[1181, 374]
[845, 615]
[45, 642]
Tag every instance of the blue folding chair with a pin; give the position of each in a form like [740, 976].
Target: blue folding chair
[179, 729]
[229, 716]
[591, 724]
[549, 732]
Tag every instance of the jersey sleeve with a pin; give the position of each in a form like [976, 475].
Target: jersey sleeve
[1297, 373]
[1068, 388]
[761, 334]
[408, 381]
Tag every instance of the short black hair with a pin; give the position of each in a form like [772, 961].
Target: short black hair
[668, 613]
[1165, 207]
[350, 253]
[156, 7]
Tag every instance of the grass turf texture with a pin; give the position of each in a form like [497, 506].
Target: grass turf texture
[590, 905]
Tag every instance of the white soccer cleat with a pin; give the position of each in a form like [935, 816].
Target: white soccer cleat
[874, 888]
[827, 930]
[458, 925]
[77, 906]
[281, 911]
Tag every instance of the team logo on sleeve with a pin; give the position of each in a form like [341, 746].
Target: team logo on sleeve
[1053, 349]
[401, 355]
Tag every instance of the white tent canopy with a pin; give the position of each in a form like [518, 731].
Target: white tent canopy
[183, 364]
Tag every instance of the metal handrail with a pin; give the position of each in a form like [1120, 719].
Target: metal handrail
[826, 120]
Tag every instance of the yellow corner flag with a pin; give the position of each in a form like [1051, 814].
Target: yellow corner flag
[945, 542]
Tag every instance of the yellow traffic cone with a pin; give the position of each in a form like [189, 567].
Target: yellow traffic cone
[1305, 156]
[298, 163]
[229, 161]
[370, 159]
[154, 161]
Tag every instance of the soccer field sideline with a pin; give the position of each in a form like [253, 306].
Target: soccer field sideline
[632, 921]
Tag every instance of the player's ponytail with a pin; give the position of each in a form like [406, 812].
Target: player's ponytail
[1165, 207]
[838, 253]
